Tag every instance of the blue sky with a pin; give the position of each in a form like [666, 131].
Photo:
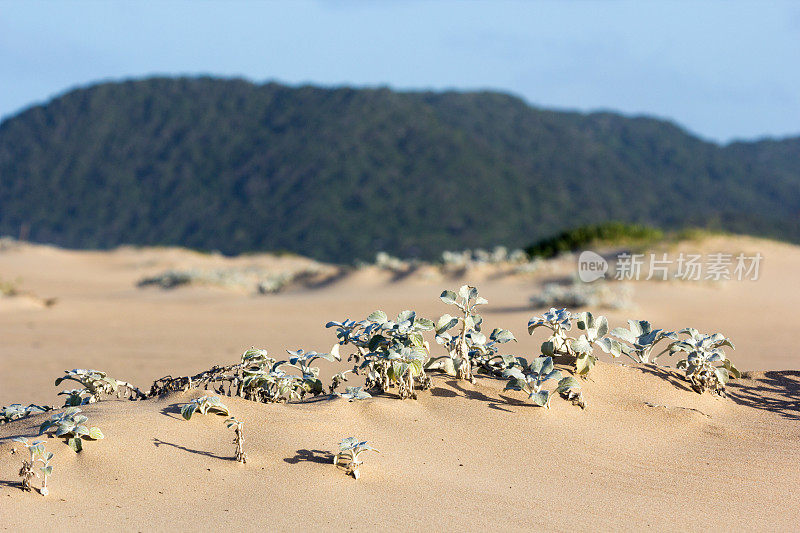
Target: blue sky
[724, 70]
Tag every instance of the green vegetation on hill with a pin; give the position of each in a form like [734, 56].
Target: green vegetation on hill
[577, 238]
[338, 174]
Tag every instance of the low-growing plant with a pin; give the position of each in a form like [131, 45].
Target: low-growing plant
[559, 322]
[388, 352]
[204, 405]
[349, 456]
[95, 384]
[355, 393]
[238, 440]
[71, 426]
[642, 338]
[38, 454]
[530, 378]
[302, 361]
[468, 321]
[706, 366]
[17, 411]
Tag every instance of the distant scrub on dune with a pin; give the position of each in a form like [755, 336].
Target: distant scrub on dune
[338, 174]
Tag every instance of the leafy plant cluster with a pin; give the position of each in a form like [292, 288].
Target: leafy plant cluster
[95, 385]
[467, 347]
[71, 426]
[17, 411]
[257, 377]
[387, 352]
[706, 366]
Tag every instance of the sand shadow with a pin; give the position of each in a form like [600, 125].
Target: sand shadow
[158, 442]
[310, 456]
[672, 376]
[173, 411]
[493, 403]
[11, 484]
[777, 391]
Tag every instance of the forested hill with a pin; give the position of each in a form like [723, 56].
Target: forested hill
[338, 174]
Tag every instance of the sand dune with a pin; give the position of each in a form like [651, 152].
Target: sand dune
[647, 451]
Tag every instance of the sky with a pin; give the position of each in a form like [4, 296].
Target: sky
[724, 70]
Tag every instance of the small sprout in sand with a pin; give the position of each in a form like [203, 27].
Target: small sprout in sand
[70, 425]
[236, 426]
[39, 455]
[95, 384]
[204, 405]
[642, 339]
[703, 351]
[355, 393]
[350, 450]
[16, 411]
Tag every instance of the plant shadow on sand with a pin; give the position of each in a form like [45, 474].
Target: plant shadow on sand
[172, 411]
[158, 442]
[775, 391]
[668, 374]
[458, 390]
[311, 456]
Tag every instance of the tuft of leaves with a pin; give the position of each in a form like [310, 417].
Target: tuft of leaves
[204, 405]
[71, 426]
[706, 366]
[349, 456]
[531, 378]
[17, 411]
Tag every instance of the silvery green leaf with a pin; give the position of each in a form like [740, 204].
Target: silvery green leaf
[378, 316]
[548, 348]
[481, 301]
[406, 315]
[567, 383]
[445, 323]
[502, 335]
[624, 334]
[444, 363]
[540, 398]
[722, 374]
[423, 324]
[75, 443]
[585, 320]
[602, 326]
[95, 433]
[585, 364]
[448, 297]
[515, 383]
[188, 410]
[464, 291]
[64, 429]
[581, 345]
